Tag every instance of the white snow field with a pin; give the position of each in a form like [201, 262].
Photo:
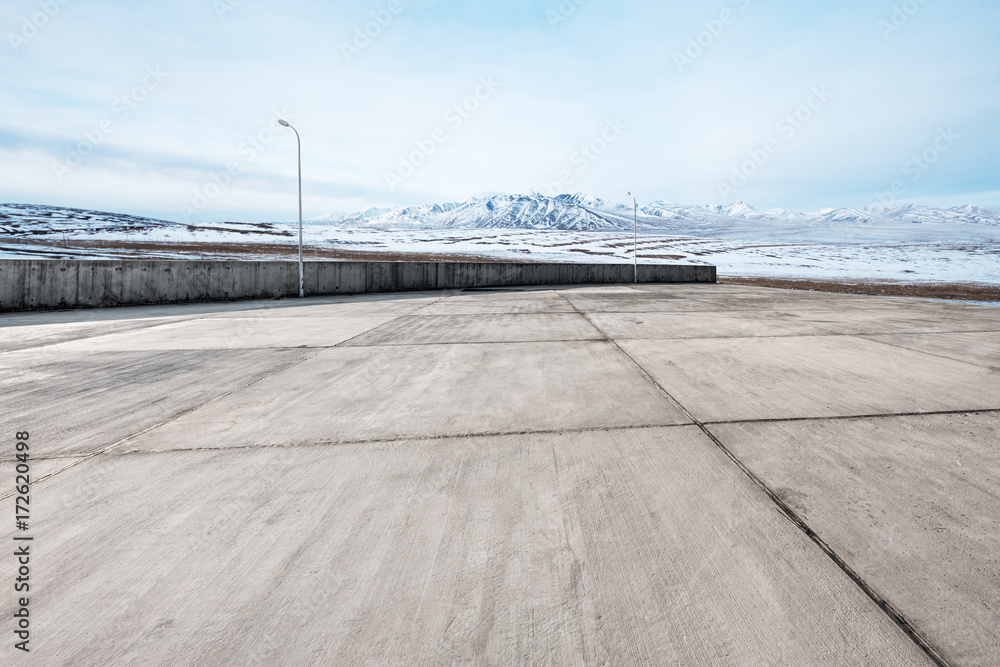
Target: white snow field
[910, 243]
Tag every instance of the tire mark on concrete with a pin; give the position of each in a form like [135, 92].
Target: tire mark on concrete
[384, 324]
[168, 420]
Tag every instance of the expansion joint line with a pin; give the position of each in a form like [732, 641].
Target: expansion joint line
[403, 439]
[787, 511]
[859, 417]
[172, 418]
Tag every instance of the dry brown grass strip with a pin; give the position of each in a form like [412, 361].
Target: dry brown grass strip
[952, 291]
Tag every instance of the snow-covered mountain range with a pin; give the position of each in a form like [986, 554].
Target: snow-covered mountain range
[535, 211]
[586, 213]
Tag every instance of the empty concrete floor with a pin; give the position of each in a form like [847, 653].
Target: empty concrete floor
[662, 475]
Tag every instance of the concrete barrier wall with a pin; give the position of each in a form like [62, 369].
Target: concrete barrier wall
[40, 284]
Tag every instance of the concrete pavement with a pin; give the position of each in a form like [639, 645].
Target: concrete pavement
[676, 475]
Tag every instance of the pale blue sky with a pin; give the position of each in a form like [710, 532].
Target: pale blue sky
[201, 77]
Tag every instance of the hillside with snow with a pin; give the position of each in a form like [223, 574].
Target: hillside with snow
[36, 221]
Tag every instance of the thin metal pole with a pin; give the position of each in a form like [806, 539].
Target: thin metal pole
[302, 282]
[298, 140]
[635, 238]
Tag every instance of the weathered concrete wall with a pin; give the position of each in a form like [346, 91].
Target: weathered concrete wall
[40, 284]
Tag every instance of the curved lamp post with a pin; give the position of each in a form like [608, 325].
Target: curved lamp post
[302, 285]
[635, 237]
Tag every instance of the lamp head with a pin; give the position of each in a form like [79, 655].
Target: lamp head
[283, 122]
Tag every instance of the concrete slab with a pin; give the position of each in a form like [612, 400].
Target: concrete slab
[236, 333]
[982, 349]
[903, 319]
[350, 394]
[707, 324]
[780, 378]
[723, 323]
[75, 403]
[367, 305]
[622, 547]
[121, 313]
[484, 304]
[357, 304]
[35, 335]
[668, 303]
[713, 287]
[465, 498]
[946, 306]
[494, 328]
[513, 293]
[802, 300]
[126, 313]
[913, 505]
[600, 290]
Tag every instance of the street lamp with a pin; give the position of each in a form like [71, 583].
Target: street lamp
[302, 284]
[635, 237]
